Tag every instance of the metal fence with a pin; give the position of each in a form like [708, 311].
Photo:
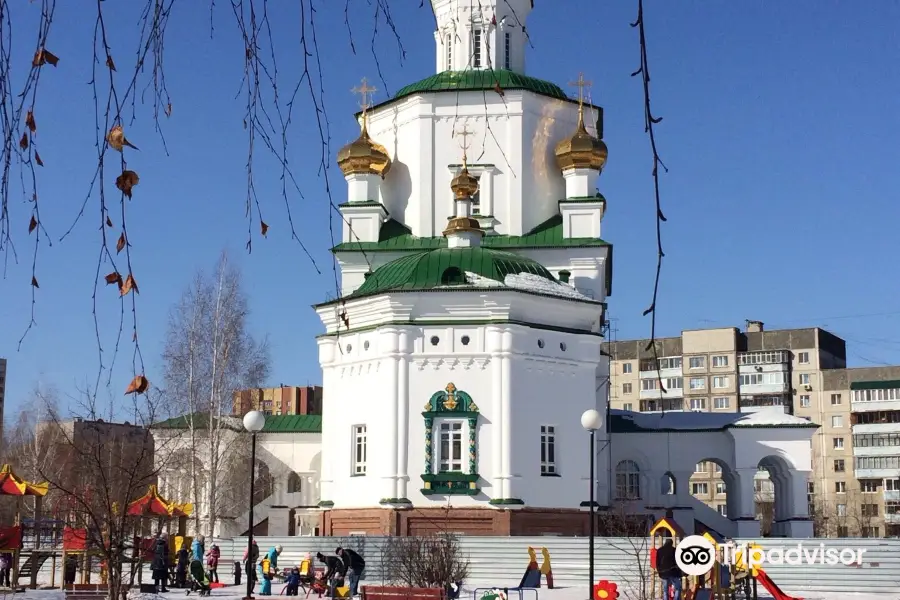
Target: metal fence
[501, 560]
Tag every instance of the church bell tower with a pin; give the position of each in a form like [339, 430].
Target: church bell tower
[481, 34]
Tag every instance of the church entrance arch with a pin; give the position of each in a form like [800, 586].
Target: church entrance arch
[772, 491]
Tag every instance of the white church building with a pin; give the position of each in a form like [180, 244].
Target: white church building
[467, 341]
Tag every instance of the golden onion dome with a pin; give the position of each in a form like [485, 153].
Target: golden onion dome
[581, 150]
[364, 156]
[460, 224]
[464, 185]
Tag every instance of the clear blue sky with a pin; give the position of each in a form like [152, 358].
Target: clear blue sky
[780, 132]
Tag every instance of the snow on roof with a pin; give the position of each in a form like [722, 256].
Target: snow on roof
[527, 282]
[625, 421]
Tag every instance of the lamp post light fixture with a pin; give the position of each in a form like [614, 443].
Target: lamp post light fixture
[592, 421]
[254, 421]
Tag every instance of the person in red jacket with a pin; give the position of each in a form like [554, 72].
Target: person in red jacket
[212, 563]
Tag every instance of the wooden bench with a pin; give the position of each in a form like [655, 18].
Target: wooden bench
[86, 591]
[380, 592]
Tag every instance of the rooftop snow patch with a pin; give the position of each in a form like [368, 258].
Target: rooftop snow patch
[527, 282]
[623, 421]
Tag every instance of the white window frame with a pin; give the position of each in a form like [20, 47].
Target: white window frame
[720, 361]
[701, 362]
[837, 421]
[837, 443]
[628, 480]
[701, 467]
[840, 487]
[836, 400]
[627, 388]
[722, 509]
[804, 400]
[698, 403]
[674, 383]
[626, 367]
[721, 488]
[841, 510]
[723, 379]
[627, 406]
[700, 380]
[804, 379]
[726, 402]
[648, 385]
[358, 450]
[477, 47]
[842, 463]
[700, 488]
[549, 450]
[803, 358]
[439, 459]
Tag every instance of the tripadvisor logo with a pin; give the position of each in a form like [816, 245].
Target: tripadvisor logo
[695, 555]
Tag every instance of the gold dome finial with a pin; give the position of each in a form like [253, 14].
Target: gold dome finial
[581, 150]
[364, 155]
[464, 186]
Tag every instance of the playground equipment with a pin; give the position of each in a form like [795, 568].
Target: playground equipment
[606, 590]
[149, 507]
[77, 547]
[532, 577]
[665, 528]
[11, 538]
[759, 575]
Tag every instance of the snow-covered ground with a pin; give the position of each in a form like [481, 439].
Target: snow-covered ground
[468, 592]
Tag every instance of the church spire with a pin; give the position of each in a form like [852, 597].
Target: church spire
[462, 230]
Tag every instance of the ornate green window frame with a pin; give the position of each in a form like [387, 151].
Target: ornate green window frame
[451, 403]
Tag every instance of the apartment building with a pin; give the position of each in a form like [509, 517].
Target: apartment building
[281, 400]
[726, 369]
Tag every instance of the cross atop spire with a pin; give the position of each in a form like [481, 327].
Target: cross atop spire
[581, 84]
[465, 133]
[364, 90]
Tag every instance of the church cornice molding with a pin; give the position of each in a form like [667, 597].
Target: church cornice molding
[450, 362]
[461, 322]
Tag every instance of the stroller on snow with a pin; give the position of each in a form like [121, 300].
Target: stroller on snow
[199, 580]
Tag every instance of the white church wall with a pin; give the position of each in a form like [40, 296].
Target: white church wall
[293, 453]
[552, 386]
[587, 267]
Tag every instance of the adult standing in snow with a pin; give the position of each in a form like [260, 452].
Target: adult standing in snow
[250, 563]
[212, 561]
[269, 566]
[354, 564]
[198, 548]
[160, 563]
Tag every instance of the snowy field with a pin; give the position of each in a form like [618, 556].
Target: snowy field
[468, 593]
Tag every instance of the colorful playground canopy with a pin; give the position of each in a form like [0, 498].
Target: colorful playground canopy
[152, 504]
[13, 485]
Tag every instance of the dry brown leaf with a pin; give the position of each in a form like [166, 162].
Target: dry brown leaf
[116, 139]
[34, 282]
[112, 278]
[109, 222]
[110, 63]
[169, 109]
[23, 143]
[33, 224]
[37, 159]
[120, 244]
[128, 285]
[29, 122]
[138, 385]
[43, 57]
[263, 227]
[126, 181]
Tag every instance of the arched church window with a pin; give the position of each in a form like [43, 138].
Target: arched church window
[293, 483]
[452, 276]
[628, 480]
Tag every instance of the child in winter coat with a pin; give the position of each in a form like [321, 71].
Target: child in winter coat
[181, 566]
[293, 582]
[212, 562]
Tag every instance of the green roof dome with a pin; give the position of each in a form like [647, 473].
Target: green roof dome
[447, 266]
[474, 80]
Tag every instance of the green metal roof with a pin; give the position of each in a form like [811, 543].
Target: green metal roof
[396, 237]
[889, 384]
[427, 270]
[475, 80]
[274, 423]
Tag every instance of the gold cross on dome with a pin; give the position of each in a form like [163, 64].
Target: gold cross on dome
[364, 90]
[465, 133]
[580, 84]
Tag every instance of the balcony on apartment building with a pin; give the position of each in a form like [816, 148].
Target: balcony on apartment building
[662, 404]
[668, 366]
[673, 387]
[764, 372]
[872, 396]
[767, 402]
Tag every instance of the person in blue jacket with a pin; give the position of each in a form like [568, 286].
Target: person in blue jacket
[198, 548]
[265, 588]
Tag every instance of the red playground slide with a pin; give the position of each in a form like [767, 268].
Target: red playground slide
[772, 587]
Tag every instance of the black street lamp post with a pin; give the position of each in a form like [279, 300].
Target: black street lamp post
[591, 421]
[254, 421]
